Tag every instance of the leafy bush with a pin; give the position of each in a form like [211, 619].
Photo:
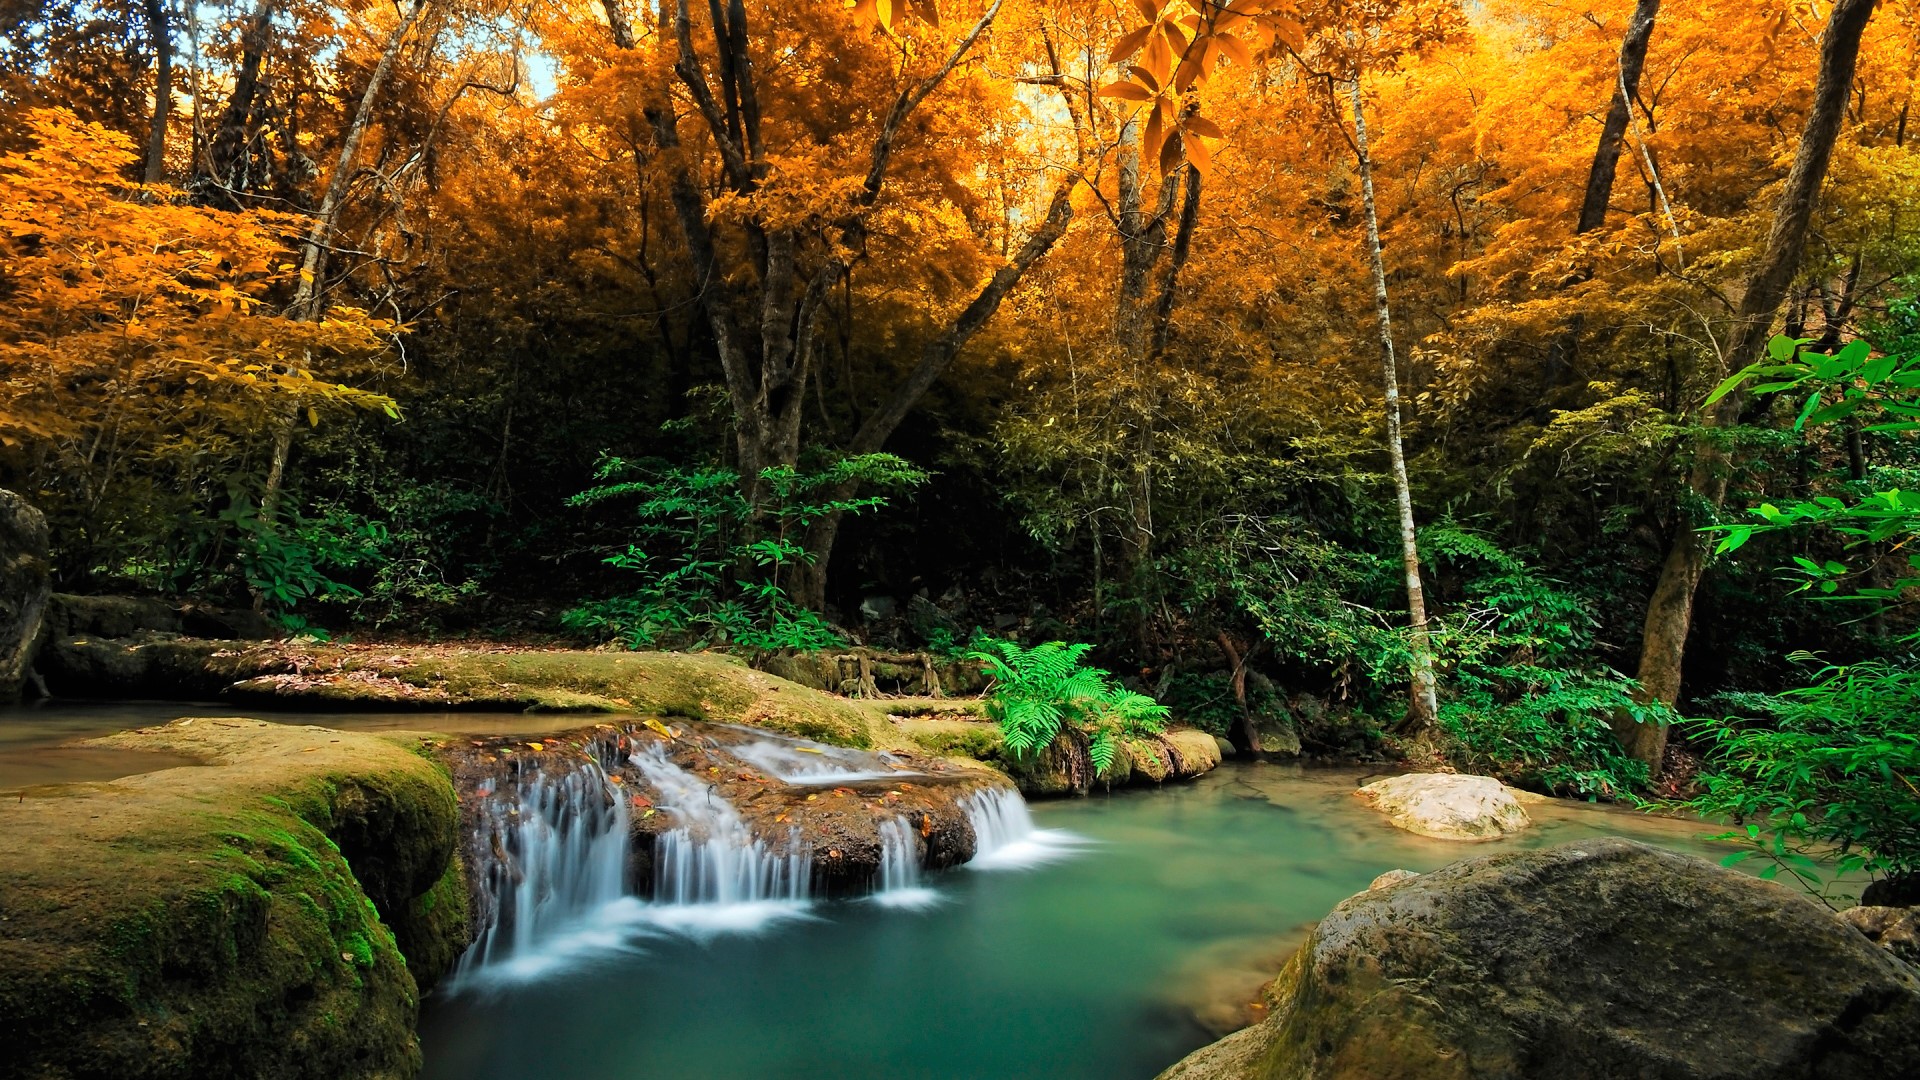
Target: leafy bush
[1826, 770]
[1829, 769]
[289, 559]
[710, 563]
[1523, 697]
[1037, 690]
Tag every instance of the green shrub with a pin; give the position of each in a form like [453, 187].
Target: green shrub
[1824, 771]
[710, 564]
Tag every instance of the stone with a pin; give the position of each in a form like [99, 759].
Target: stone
[26, 582]
[1602, 958]
[1391, 878]
[1448, 807]
[275, 911]
[878, 608]
[1896, 930]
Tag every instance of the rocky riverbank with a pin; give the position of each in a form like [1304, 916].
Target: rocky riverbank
[1599, 958]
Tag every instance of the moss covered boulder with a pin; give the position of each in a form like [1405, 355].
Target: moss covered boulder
[1603, 958]
[275, 912]
[698, 686]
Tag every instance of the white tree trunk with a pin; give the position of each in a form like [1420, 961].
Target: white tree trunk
[1425, 704]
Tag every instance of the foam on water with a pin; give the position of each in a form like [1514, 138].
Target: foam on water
[1005, 837]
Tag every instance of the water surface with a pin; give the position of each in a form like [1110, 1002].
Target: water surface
[1111, 962]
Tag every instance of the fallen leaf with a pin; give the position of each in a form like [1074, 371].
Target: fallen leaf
[658, 728]
[809, 750]
[535, 746]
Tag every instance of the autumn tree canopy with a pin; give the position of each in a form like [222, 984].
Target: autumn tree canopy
[1100, 266]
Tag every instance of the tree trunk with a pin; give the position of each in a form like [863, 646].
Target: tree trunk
[1562, 354]
[1606, 157]
[309, 296]
[1670, 610]
[1424, 704]
[162, 35]
[223, 171]
[25, 584]
[1244, 736]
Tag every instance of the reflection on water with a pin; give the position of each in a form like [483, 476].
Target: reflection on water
[1169, 911]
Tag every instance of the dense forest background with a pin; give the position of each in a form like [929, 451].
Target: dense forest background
[779, 324]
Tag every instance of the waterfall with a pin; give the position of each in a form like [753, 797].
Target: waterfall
[560, 852]
[710, 872]
[899, 877]
[1004, 835]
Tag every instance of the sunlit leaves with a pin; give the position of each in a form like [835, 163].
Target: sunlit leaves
[130, 305]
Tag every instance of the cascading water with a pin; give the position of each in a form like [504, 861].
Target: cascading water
[560, 852]
[899, 877]
[802, 762]
[1004, 836]
[710, 871]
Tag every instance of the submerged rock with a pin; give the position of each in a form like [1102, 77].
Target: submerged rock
[1448, 807]
[25, 583]
[275, 912]
[1605, 958]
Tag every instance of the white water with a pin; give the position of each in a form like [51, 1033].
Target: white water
[900, 885]
[565, 843]
[800, 761]
[1004, 836]
[710, 873]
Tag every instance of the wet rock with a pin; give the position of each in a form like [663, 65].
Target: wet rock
[1604, 958]
[836, 821]
[878, 608]
[25, 584]
[1896, 930]
[1448, 807]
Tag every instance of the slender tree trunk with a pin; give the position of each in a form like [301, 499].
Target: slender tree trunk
[309, 296]
[1670, 610]
[1606, 157]
[1424, 704]
[162, 34]
[1562, 354]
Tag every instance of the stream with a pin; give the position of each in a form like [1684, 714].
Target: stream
[1103, 937]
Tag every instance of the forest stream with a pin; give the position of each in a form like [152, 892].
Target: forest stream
[1107, 937]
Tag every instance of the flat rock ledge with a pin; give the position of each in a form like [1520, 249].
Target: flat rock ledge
[1604, 958]
[1448, 806]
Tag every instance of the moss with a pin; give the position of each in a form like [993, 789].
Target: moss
[231, 920]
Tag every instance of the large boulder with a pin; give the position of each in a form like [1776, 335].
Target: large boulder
[25, 583]
[1448, 807]
[277, 911]
[1604, 958]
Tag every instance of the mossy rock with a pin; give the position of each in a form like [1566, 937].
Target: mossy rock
[256, 916]
[697, 686]
[1602, 958]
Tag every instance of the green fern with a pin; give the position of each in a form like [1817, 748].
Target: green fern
[1035, 691]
